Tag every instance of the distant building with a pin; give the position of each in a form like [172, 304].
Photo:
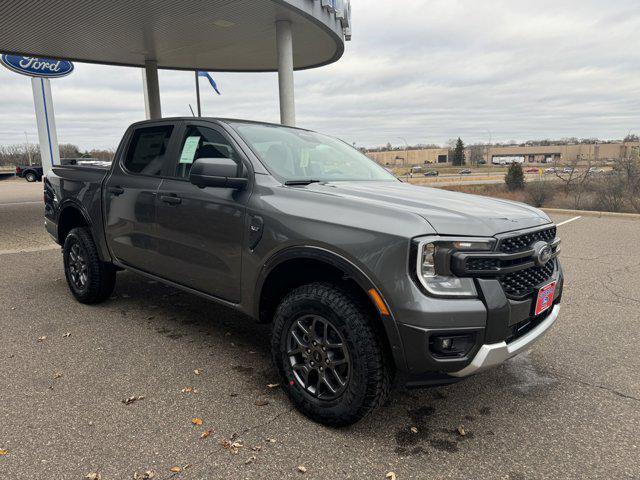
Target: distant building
[541, 154]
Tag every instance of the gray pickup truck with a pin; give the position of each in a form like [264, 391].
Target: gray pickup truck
[367, 281]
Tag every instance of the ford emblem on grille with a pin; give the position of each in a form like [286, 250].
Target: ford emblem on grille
[542, 253]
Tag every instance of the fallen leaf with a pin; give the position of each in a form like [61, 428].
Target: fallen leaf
[130, 400]
[462, 431]
[391, 476]
[175, 469]
[146, 475]
[42, 338]
[57, 375]
[271, 440]
[68, 334]
[93, 476]
[261, 402]
[249, 460]
[302, 468]
[257, 448]
[4, 452]
[196, 421]
[233, 447]
[197, 371]
[414, 430]
[206, 433]
[273, 385]
[189, 390]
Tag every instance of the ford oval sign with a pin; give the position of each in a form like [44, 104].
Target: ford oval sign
[37, 66]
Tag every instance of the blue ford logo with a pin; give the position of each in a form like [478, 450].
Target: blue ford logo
[37, 66]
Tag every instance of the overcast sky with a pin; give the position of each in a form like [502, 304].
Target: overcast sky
[423, 70]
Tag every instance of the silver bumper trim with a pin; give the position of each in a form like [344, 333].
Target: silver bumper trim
[494, 354]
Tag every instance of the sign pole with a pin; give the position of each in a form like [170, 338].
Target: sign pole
[47, 136]
[198, 94]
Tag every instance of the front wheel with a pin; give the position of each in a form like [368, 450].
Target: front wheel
[90, 280]
[30, 177]
[334, 366]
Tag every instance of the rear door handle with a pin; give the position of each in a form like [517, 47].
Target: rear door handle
[171, 199]
[116, 190]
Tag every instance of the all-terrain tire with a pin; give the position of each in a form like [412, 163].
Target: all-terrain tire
[100, 277]
[30, 177]
[370, 376]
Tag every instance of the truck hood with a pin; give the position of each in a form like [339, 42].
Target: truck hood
[449, 213]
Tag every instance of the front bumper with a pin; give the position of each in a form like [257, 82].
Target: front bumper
[501, 327]
[494, 354]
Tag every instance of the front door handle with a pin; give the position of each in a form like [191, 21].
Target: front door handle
[171, 199]
[116, 190]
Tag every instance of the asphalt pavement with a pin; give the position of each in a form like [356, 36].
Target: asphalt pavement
[570, 408]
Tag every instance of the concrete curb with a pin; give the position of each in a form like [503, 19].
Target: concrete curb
[591, 213]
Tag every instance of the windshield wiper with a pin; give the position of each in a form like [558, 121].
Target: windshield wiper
[306, 181]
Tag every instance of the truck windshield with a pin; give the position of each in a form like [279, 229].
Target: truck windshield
[300, 155]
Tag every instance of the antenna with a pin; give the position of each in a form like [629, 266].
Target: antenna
[192, 114]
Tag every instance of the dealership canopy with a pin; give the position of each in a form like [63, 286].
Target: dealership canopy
[219, 35]
[214, 35]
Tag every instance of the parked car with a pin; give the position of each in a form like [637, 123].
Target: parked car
[595, 171]
[567, 170]
[362, 277]
[550, 170]
[431, 173]
[31, 173]
[466, 171]
[532, 170]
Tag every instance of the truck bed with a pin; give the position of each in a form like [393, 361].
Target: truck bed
[80, 185]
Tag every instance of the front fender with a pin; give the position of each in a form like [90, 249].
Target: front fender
[351, 270]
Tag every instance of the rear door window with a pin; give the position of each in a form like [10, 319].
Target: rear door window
[147, 150]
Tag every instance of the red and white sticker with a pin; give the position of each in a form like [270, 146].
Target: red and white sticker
[545, 298]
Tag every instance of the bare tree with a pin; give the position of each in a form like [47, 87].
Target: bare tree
[575, 180]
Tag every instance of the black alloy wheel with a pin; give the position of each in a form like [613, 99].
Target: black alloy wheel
[78, 267]
[333, 363]
[318, 357]
[90, 280]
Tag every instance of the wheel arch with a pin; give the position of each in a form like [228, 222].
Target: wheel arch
[295, 266]
[71, 216]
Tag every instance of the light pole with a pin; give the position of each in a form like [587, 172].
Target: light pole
[406, 150]
[26, 147]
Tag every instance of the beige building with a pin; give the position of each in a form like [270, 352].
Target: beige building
[542, 154]
[411, 157]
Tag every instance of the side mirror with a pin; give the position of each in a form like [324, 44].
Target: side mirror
[216, 172]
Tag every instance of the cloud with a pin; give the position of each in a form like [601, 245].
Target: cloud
[425, 70]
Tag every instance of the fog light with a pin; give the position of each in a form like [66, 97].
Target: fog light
[451, 345]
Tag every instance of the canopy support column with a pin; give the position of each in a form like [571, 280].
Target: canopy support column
[151, 90]
[284, 42]
[45, 119]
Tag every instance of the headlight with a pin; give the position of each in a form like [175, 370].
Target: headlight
[434, 265]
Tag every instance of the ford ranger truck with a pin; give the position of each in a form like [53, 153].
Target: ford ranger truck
[365, 280]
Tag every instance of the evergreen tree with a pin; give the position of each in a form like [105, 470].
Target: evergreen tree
[514, 177]
[458, 153]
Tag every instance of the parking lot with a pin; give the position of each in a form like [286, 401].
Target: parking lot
[570, 408]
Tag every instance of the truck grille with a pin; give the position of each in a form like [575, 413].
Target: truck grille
[523, 242]
[521, 283]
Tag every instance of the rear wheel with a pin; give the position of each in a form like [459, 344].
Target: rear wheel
[333, 364]
[90, 280]
[30, 177]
